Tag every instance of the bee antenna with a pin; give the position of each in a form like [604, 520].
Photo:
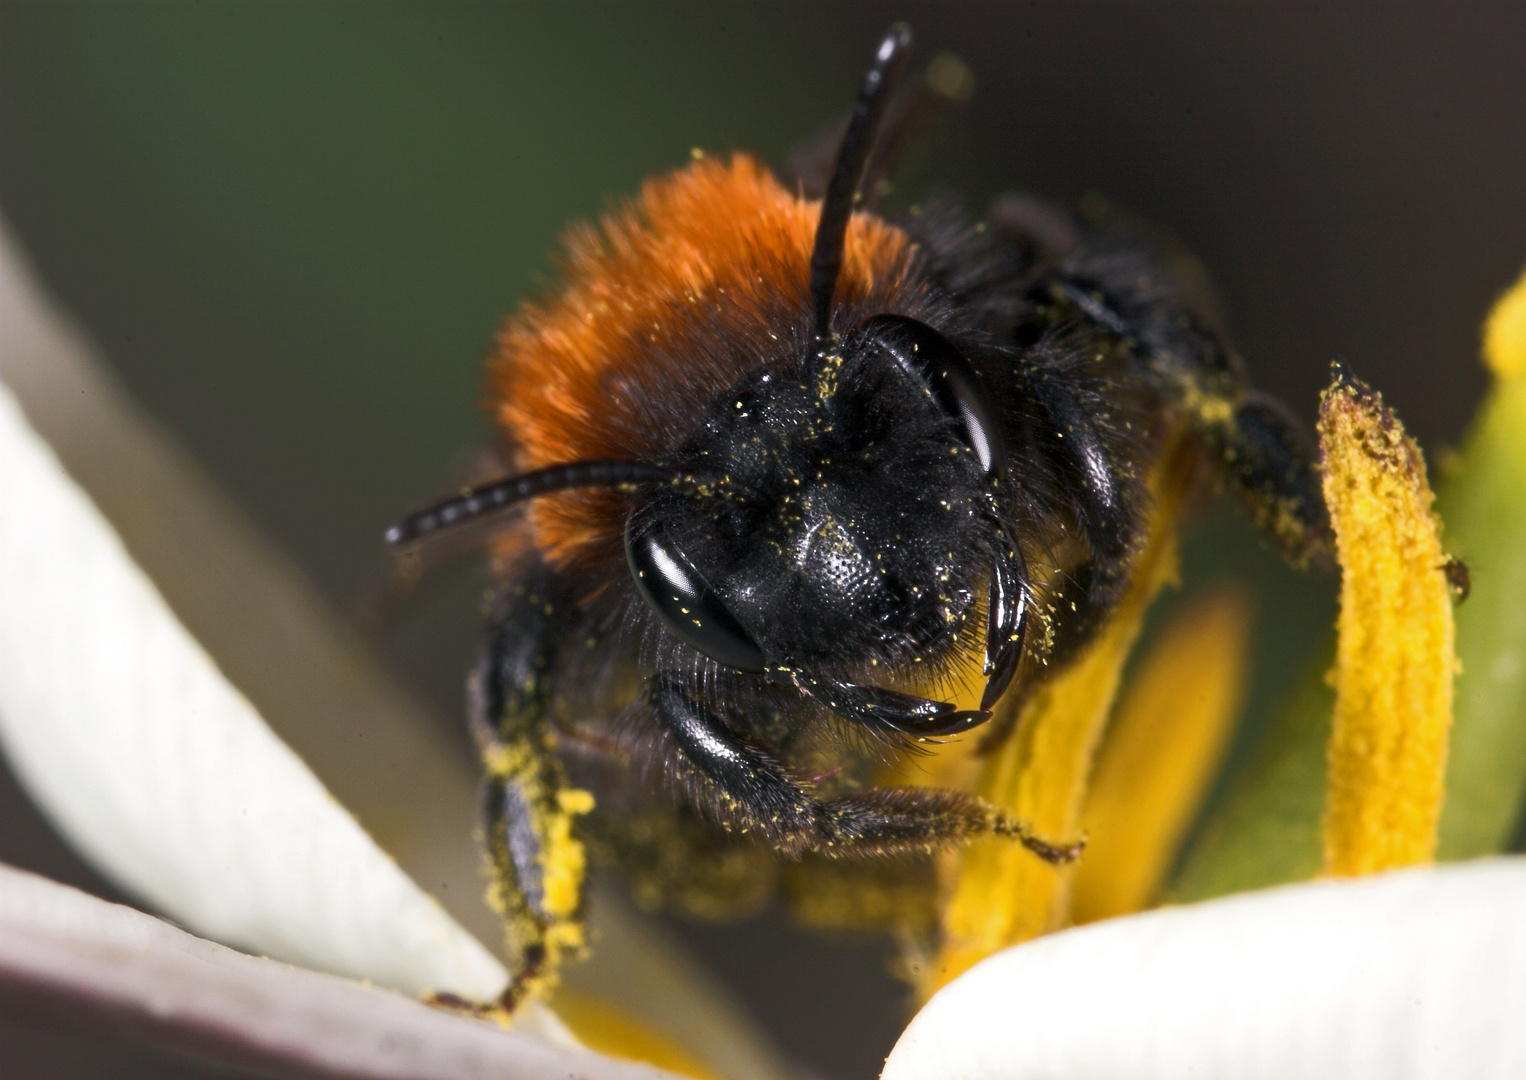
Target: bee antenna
[478, 502]
[848, 173]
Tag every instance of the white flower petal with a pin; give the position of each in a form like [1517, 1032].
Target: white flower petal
[85, 960]
[124, 730]
[1413, 974]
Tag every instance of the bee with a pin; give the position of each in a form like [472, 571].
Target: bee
[781, 466]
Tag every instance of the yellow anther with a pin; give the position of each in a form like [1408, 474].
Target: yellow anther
[1394, 650]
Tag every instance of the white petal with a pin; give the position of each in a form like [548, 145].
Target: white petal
[124, 730]
[1413, 974]
[107, 965]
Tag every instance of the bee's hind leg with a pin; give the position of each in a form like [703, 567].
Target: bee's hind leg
[528, 806]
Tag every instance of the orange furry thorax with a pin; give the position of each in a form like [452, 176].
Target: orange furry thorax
[675, 296]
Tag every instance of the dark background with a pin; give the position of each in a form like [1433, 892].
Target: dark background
[293, 230]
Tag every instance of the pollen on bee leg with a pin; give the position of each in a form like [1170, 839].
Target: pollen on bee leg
[1394, 647]
[564, 861]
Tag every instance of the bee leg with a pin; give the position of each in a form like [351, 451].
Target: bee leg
[528, 807]
[668, 853]
[905, 821]
[750, 791]
[1262, 450]
[1105, 495]
[1267, 461]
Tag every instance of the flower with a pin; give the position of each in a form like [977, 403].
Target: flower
[165, 775]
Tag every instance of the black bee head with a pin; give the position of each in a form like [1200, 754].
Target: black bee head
[847, 516]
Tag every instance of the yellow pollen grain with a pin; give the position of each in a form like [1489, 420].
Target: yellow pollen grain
[1394, 651]
[1000, 893]
[504, 761]
[563, 862]
[1160, 753]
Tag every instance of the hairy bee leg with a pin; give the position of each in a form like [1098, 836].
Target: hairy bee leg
[1268, 463]
[750, 791]
[528, 807]
[1137, 299]
[1104, 501]
[746, 777]
[900, 821]
[1262, 451]
[669, 855]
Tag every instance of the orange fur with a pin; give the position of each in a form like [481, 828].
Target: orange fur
[678, 294]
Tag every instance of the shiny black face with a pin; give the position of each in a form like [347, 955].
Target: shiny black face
[846, 514]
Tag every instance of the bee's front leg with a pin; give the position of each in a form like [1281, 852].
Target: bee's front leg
[746, 788]
[528, 806]
[1102, 485]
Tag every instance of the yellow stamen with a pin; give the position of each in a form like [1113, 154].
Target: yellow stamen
[1483, 503]
[1505, 333]
[1165, 743]
[1394, 651]
[1001, 893]
[608, 1030]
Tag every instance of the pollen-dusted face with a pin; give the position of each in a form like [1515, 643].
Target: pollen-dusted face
[844, 511]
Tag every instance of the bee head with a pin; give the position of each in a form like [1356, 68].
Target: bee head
[846, 512]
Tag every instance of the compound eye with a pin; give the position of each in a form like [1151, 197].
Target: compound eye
[687, 606]
[931, 358]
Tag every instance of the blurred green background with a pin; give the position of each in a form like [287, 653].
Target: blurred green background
[294, 228]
